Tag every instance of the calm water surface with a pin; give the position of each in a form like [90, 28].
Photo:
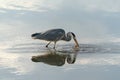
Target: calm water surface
[95, 24]
[18, 63]
[22, 58]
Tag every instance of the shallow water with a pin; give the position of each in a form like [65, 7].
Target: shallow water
[33, 61]
[95, 25]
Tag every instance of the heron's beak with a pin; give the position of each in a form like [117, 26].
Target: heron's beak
[76, 42]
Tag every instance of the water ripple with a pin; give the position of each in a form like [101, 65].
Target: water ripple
[84, 48]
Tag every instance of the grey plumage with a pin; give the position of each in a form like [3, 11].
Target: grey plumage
[54, 35]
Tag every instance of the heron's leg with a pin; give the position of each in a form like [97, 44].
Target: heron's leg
[54, 44]
[48, 44]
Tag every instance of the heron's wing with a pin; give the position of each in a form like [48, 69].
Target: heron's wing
[53, 35]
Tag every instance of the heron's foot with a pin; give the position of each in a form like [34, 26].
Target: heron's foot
[47, 46]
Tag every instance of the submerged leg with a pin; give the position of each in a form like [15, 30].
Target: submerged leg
[48, 44]
[54, 44]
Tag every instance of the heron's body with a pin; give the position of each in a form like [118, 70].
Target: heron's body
[54, 35]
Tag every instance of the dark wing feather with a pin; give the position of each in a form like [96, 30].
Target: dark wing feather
[53, 35]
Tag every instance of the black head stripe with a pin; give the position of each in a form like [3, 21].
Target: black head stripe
[73, 34]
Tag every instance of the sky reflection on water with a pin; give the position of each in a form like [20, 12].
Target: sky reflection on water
[20, 66]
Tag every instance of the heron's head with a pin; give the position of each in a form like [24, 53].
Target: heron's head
[71, 60]
[74, 37]
[36, 35]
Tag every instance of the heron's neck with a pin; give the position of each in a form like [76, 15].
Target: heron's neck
[67, 38]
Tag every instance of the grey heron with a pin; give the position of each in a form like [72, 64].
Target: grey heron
[55, 59]
[55, 35]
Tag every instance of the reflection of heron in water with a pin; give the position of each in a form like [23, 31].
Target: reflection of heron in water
[55, 35]
[55, 58]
